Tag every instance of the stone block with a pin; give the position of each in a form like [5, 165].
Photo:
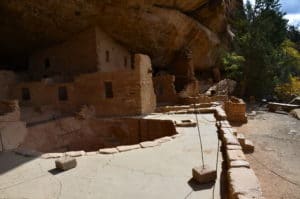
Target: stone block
[176, 135]
[233, 147]
[108, 151]
[12, 134]
[248, 147]
[233, 155]
[204, 175]
[238, 164]
[185, 123]
[65, 163]
[128, 147]
[148, 144]
[243, 183]
[52, 155]
[27, 152]
[75, 153]
[241, 138]
[164, 139]
[230, 139]
[91, 153]
[225, 124]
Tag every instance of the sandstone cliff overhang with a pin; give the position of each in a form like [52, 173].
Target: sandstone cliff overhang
[159, 28]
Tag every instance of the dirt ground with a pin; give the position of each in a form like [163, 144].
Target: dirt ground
[276, 160]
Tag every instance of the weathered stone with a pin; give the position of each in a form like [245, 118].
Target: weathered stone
[75, 153]
[243, 182]
[241, 138]
[65, 163]
[27, 152]
[164, 139]
[52, 155]
[225, 124]
[236, 110]
[229, 138]
[128, 147]
[108, 151]
[91, 153]
[248, 147]
[176, 135]
[185, 123]
[233, 155]
[204, 175]
[233, 147]
[148, 144]
[239, 163]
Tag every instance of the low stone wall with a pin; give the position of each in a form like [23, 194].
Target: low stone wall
[235, 109]
[241, 179]
[203, 99]
[71, 134]
[12, 130]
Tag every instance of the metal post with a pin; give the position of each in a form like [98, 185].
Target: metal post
[199, 136]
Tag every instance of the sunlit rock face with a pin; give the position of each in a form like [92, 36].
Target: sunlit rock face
[159, 28]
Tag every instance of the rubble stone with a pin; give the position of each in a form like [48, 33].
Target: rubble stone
[164, 139]
[65, 163]
[52, 155]
[243, 183]
[233, 147]
[204, 175]
[108, 151]
[239, 163]
[148, 144]
[27, 152]
[75, 153]
[233, 155]
[128, 147]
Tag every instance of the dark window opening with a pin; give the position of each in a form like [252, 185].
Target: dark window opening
[132, 62]
[108, 90]
[125, 62]
[47, 63]
[26, 94]
[77, 13]
[107, 57]
[160, 90]
[62, 93]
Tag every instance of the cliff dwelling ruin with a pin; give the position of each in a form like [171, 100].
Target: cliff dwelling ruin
[127, 96]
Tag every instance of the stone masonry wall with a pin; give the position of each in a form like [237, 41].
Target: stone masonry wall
[132, 91]
[165, 89]
[73, 57]
[90, 135]
[7, 80]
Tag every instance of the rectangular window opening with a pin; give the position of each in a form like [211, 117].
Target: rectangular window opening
[108, 90]
[125, 62]
[62, 93]
[132, 62]
[107, 56]
[26, 94]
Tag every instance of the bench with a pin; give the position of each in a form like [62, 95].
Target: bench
[273, 106]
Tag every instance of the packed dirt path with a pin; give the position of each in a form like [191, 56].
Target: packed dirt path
[276, 160]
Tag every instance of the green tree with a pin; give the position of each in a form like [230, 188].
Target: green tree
[260, 30]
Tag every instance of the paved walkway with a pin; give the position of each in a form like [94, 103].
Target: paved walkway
[159, 172]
